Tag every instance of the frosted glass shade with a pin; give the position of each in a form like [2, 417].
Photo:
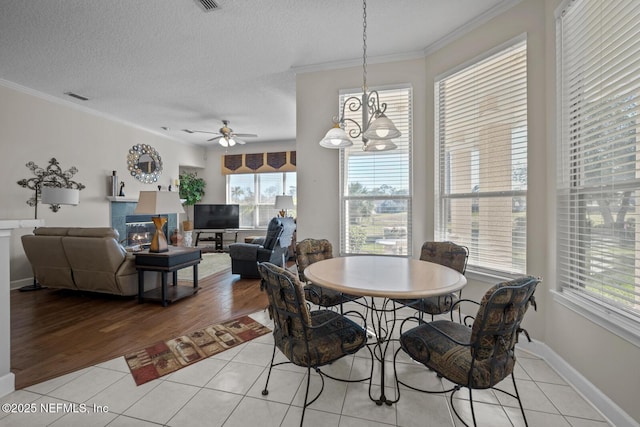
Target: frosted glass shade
[382, 128]
[336, 138]
[379, 145]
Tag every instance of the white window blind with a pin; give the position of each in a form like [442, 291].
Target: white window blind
[598, 47]
[481, 135]
[376, 186]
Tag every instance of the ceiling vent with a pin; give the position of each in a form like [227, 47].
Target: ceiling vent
[76, 96]
[208, 5]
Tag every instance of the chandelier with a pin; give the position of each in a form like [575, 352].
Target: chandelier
[376, 128]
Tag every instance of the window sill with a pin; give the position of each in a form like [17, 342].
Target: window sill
[620, 325]
[488, 277]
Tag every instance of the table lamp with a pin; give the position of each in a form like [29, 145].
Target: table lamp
[283, 203]
[158, 203]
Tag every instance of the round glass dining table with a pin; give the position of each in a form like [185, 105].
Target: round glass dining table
[384, 277]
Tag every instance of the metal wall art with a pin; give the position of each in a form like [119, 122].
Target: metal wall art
[144, 163]
[51, 176]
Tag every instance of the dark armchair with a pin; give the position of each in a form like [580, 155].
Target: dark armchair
[274, 249]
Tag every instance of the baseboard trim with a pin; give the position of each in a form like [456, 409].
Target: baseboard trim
[7, 384]
[17, 284]
[607, 407]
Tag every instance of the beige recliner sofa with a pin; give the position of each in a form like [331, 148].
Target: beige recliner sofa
[85, 259]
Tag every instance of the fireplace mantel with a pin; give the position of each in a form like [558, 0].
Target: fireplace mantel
[122, 199]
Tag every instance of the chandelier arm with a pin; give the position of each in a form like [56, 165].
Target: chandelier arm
[375, 106]
[353, 132]
[353, 103]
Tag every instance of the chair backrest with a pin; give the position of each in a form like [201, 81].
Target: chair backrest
[279, 233]
[495, 328]
[309, 251]
[446, 253]
[274, 230]
[287, 304]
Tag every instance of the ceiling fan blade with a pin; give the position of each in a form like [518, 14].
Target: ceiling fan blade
[246, 135]
[200, 131]
[214, 138]
[239, 141]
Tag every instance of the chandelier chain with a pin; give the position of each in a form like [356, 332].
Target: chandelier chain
[364, 46]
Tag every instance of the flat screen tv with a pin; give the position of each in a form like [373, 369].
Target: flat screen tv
[216, 217]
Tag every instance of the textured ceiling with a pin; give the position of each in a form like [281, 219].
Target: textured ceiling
[168, 63]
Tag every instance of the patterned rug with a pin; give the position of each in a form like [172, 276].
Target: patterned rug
[168, 356]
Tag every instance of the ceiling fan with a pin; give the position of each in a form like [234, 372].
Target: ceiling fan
[226, 136]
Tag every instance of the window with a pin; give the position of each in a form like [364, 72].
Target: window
[598, 182]
[481, 139]
[256, 194]
[376, 187]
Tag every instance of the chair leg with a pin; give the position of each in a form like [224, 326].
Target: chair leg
[306, 395]
[524, 417]
[453, 408]
[273, 356]
[473, 412]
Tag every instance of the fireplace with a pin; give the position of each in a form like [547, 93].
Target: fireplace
[122, 214]
[139, 230]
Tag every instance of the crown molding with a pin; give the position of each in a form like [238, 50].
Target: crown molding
[471, 25]
[347, 63]
[438, 44]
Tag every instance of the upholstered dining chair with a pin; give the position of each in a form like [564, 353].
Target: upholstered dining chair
[476, 357]
[307, 338]
[309, 251]
[450, 255]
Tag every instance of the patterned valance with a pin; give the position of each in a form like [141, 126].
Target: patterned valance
[282, 161]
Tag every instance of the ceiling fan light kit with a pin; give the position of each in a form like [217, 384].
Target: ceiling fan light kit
[226, 136]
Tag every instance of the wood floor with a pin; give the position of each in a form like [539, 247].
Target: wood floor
[54, 332]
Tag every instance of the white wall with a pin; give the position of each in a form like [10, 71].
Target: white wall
[36, 128]
[605, 360]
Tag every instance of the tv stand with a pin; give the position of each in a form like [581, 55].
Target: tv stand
[217, 238]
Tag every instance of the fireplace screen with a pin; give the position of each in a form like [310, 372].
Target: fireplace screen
[140, 230]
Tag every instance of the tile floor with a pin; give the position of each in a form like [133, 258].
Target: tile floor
[225, 390]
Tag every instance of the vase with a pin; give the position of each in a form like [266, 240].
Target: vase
[188, 238]
[176, 238]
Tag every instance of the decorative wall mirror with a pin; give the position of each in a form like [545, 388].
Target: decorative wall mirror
[144, 162]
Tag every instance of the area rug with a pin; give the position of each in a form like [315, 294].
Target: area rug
[211, 263]
[165, 357]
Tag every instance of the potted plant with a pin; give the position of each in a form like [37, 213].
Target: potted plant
[191, 191]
